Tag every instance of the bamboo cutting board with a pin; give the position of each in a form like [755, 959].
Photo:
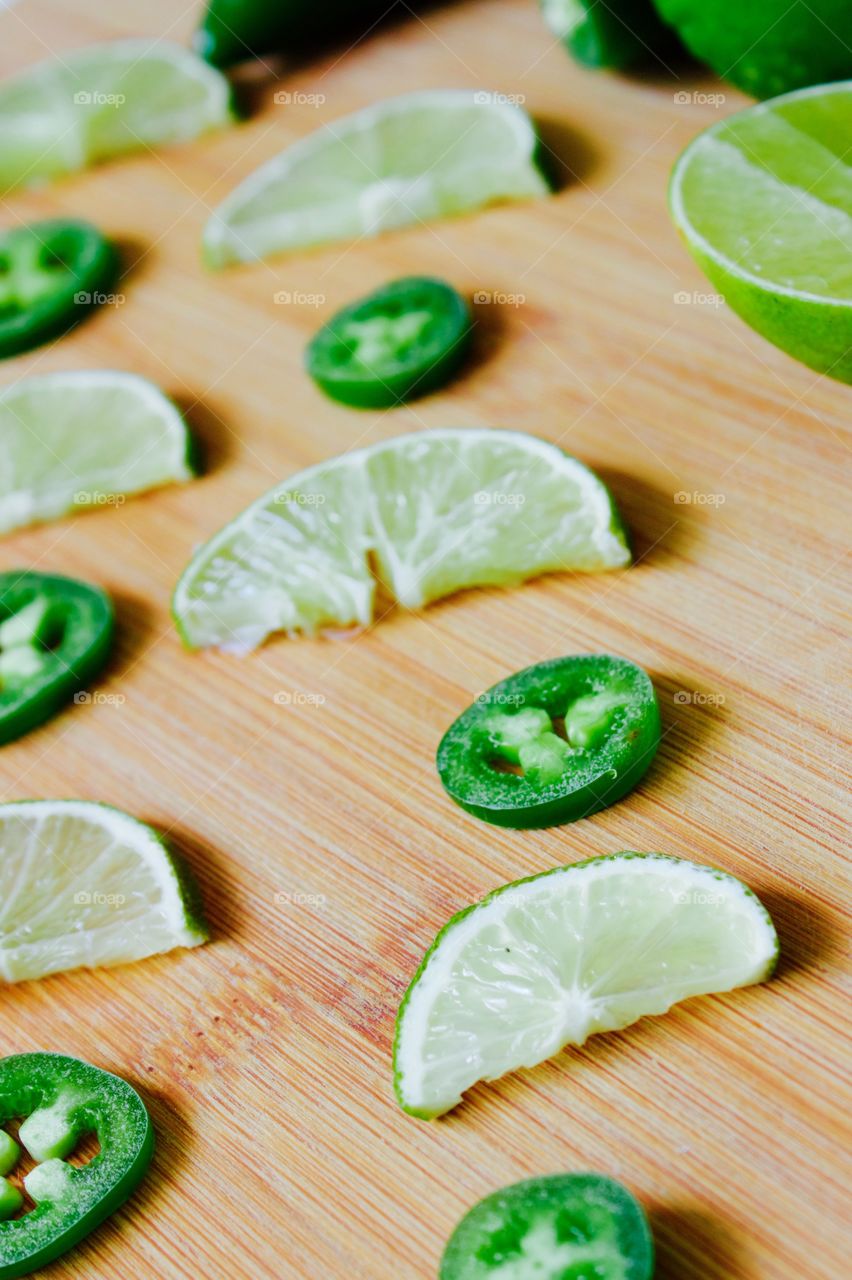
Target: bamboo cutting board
[327, 852]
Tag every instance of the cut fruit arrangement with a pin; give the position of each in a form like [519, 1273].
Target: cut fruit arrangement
[438, 510]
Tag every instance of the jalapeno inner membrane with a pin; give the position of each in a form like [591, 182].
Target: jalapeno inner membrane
[553, 743]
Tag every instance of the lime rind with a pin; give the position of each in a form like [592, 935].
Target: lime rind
[345, 206]
[32, 943]
[243, 584]
[580, 1015]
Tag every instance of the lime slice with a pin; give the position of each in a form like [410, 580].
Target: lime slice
[82, 885]
[82, 440]
[764, 202]
[409, 159]
[546, 962]
[618, 33]
[432, 513]
[767, 46]
[64, 114]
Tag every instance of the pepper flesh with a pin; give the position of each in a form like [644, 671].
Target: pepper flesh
[64, 1098]
[569, 737]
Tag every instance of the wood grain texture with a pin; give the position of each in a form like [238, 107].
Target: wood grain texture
[327, 852]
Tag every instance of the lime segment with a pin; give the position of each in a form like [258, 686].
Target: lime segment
[763, 200]
[410, 159]
[82, 885]
[548, 961]
[432, 512]
[80, 439]
[103, 101]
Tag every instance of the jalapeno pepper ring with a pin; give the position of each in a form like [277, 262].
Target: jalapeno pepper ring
[51, 274]
[62, 1099]
[55, 635]
[553, 743]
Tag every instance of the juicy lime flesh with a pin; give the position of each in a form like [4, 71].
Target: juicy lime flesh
[770, 191]
[101, 102]
[82, 884]
[581, 1226]
[414, 158]
[549, 961]
[432, 513]
[74, 439]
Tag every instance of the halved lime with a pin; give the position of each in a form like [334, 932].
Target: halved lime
[82, 440]
[82, 884]
[767, 46]
[409, 159]
[764, 202]
[431, 513]
[548, 961]
[89, 105]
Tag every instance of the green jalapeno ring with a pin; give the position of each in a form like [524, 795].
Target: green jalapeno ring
[62, 1099]
[55, 636]
[51, 274]
[552, 743]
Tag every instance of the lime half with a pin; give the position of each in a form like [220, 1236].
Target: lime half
[89, 105]
[429, 514]
[764, 202]
[82, 440]
[84, 885]
[548, 961]
[410, 159]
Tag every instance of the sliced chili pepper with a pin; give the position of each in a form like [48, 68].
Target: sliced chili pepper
[553, 743]
[570, 1226]
[55, 635]
[62, 1099]
[407, 338]
[51, 274]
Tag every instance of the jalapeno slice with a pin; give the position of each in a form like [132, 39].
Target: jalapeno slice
[553, 743]
[62, 1099]
[571, 1226]
[405, 339]
[55, 635]
[51, 274]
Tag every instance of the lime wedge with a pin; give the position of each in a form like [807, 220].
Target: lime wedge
[410, 159]
[767, 46]
[432, 513]
[546, 962]
[764, 202]
[64, 114]
[83, 885]
[82, 440]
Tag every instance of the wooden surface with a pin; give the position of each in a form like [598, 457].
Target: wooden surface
[327, 852]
